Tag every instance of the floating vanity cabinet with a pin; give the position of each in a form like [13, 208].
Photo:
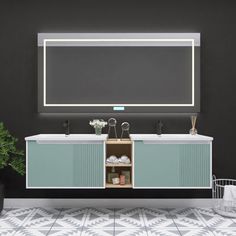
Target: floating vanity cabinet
[179, 161]
[172, 163]
[65, 163]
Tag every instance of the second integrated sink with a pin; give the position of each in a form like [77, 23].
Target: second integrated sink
[170, 138]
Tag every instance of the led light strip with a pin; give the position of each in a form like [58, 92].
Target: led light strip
[115, 40]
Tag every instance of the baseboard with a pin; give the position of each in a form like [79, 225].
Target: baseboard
[112, 203]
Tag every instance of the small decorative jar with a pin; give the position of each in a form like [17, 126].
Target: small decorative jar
[122, 180]
[116, 180]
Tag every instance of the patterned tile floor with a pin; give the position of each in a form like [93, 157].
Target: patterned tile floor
[120, 222]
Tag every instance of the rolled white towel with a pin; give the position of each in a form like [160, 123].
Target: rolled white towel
[112, 159]
[229, 195]
[124, 159]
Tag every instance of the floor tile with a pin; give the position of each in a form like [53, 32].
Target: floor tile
[214, 220]
[156, 211]
[71, 218]
[41, 218]
[234, 220]
[15, 217]
[19, 211]
[4, 211]
[65, 232]
[32, 232]
[7, 232]
[190, 221]
[195, 231]
[158, 222]
[224, 232]
[73, 211]
[157, 218]
[99, 218]
[102, 212]
[187, 218]
[108, 231]
[12, 222]
[130, 232]
[180, 212]
[121, 222]
[129, 218]
[163, 232]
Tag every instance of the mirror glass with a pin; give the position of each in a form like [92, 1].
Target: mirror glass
[105, 72]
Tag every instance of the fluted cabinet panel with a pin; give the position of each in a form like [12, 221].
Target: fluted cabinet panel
[172, 165]
[65, 165]
[194, 165]
[88, 165]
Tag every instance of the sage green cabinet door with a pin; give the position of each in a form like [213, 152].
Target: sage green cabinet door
[50, 165]
[171, 165]
[65, 165]
[155, 165]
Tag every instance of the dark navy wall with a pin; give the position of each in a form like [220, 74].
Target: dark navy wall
[20, 21]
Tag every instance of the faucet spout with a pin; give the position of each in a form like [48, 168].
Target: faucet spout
[66, 125]
[159, 127]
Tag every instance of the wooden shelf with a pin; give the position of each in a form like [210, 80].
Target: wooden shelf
[118, 186]
[118, 165]
[119, 147]
[118, 141]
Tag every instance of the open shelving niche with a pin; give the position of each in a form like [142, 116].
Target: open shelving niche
[119, 147]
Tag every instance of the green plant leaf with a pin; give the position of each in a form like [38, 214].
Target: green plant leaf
[9, 154]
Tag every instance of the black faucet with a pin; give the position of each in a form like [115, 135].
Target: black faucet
[66, 125]
[159, 127]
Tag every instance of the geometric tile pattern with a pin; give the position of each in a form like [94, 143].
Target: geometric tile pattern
[7, 232]
[187, 218]
[195, 232]
[157, 218]
[109, 222]
[99, 218]
[31, 231]
[164, 232]
[129, 218]
[41, 218]
[71, 218]
[213, 220]
[224, 232]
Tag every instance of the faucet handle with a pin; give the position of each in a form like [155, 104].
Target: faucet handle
[66, 125]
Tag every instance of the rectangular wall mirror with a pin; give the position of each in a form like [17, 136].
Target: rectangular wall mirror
[119, 72]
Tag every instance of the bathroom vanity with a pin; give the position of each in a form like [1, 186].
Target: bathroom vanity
[169, 161]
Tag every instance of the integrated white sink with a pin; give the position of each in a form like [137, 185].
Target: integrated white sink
[62, 138]
[170, 138]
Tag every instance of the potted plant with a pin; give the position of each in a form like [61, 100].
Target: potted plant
[10, 156]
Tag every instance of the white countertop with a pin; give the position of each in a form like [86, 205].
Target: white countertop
[164, 138]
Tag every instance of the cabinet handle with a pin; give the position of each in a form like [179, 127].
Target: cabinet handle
[68, 142]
